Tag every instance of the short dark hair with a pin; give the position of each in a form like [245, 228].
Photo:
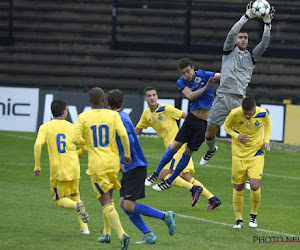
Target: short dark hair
[183, 63]
[148, 88]
[96, 96]
[58, 107]
[115, 99]
[248, 103]
[243, 31]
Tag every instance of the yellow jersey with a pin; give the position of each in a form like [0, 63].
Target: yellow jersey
[99, 126]
[259, 124]
[63, 157]
[163, 120]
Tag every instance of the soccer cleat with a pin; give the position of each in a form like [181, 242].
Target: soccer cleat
[150, 179]
[213, 203]
[148, 238]
[125, 242]
[170, 221]
[161, 186]
[205, 159]
[248, 184]
[85, 232]
[81, 211]
[238, 225]
[196, 192]
[104, 238]
[253, 221]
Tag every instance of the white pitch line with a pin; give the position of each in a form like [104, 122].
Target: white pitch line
[231, 225]
[18, 136]
[229, 169]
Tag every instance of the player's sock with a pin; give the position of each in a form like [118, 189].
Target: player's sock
[144, 209]
[179, 182]
[183, 162]
[138, 221]
[65, 202]
[211, 143]
[113, 218]
[238, 202]
[83, 226]
[205, 193]
[255, 197]
[106, 226]
[167, 156]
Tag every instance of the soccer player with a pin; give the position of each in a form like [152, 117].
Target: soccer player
[237, 68]
[99, 127]
[197, 87]
[247, 125]
[134, 175]
[64, 161]
[163, 118]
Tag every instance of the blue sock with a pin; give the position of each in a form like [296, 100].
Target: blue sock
[168, 155]
[183, 162]
[143, 209]
[138, 222]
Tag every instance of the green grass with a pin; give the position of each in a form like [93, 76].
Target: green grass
[29, 218]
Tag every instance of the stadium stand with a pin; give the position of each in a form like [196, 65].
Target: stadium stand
[68, 45]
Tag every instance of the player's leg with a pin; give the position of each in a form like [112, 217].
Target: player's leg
[255, 171]
[210, 139]
[238, 179]
[83, 226]
[103, 186]
[193, 133]
[134, 190]
[166, 158]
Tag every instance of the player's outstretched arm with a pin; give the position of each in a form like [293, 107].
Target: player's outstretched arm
[229, 43]
[262, 46]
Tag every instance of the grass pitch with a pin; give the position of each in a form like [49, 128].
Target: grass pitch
[29, 218]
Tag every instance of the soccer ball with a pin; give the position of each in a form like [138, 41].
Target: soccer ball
[260, 8]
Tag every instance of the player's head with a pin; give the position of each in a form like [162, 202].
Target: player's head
[59, 108]
[242, 40]
[248, 106]
[96, 97]
[150, 96]
[186, 69]
[115, 99]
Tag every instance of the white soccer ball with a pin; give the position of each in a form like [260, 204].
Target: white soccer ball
[260, 8]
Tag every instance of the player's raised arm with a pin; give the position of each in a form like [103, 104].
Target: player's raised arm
[231, 37]
[262, 46]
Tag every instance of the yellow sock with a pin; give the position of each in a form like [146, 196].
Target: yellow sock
[65, 202]
[83, 226]
[112, 216]
[205, 193]
[255, 197]
[238, 202]
[179, 182]
[107, 226]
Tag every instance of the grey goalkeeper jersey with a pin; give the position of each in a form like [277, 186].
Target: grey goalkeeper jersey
[238, 65]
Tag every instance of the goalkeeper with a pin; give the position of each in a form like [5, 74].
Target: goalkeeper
[237, 68]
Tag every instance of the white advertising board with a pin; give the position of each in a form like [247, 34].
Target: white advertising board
[19, 109]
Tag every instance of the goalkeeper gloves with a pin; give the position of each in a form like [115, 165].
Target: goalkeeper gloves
[249, 12]
[268, 18]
